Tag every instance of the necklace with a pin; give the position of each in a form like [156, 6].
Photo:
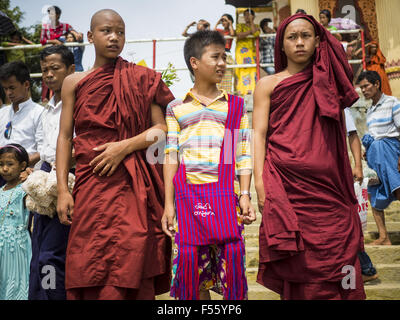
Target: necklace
[4, 210]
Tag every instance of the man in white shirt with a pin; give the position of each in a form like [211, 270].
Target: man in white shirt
[19, 122]
[382, 144]
[49, 236]
[368, 270]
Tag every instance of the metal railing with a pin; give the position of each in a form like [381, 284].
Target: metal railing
[154, 41]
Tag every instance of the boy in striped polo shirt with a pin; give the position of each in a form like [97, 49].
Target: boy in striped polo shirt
[382, 145]
[196, 128]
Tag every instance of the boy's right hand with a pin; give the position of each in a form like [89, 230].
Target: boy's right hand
[65, 208]
[167, 221]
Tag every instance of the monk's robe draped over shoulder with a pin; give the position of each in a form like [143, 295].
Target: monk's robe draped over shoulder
[310, 227]
[116, 237]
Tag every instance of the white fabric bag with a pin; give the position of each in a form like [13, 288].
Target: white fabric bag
[362, 197]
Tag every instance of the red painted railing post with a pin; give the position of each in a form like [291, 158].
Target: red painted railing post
[258, 57]
[363, 50]
[154, 53]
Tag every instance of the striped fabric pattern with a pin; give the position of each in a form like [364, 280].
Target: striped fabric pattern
[196, 131]
[206, 215]
[383, 119]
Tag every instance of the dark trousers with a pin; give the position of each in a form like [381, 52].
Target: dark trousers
[49, 245]
[367, 268]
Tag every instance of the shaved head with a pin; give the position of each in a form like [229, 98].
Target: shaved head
[100, 15]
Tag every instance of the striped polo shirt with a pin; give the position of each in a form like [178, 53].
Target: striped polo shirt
[383, 119]
[196, 132]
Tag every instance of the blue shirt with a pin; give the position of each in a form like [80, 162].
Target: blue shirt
[78, 53]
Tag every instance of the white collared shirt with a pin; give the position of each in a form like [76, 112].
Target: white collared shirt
[383, 119]
[26, 130]
[51, 128]
[350, 126]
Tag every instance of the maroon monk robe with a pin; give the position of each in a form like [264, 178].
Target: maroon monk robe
[310, 227]
[116, 237]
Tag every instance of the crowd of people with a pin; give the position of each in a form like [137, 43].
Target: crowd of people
[243, 80]
[131, 228]
[239, 80]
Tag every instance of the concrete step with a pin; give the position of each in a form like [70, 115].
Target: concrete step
[394, 237]
[373, 292]
[370, 235]
[378, 254]
[388, 273]
[258, 292]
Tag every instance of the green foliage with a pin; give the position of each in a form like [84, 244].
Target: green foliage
[169, 75]
[32, 56]
[15, 14]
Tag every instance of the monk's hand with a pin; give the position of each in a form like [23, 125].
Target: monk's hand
[65, 207]
[108, 161]
[167, 221]
[248, 214]
[358, 174]
[24, 174]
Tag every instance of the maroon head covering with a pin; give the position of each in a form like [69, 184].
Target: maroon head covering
[332, 74]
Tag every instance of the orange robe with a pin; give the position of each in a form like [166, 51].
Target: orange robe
[377, 64]
[116, 237]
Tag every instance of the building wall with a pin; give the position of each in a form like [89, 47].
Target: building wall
[387, 12]
[310, 6]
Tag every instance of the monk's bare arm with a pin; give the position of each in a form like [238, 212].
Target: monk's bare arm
[159, 128]
[170, 168]
[114, 152]
[65, 203]
[261, 109]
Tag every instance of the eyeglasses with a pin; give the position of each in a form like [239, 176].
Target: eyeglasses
[7, 132]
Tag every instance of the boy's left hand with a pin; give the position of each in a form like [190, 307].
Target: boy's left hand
[108, 161]
[248, 214]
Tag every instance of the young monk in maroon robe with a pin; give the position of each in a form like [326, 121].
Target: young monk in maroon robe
[116, 247]
[310, 231]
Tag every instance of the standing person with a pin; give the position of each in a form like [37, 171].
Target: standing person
[116, 247]
[367, 268]
[49, 236]
[201, 25]
[16, 39]
[15, 248]
[382, 144]
[227, 22]
[77, 51]
[376, 62]
[267, 46]
[20, 121]
[325, 18]
[198, 129]
[310, 230]
[246, 53]
[52, 33]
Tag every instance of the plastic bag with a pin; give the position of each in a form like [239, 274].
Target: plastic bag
[362, 197]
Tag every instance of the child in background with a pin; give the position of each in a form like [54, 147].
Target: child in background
[227, 22]
[16, 39]
[77, 51]
[208, 192]
[15, 243]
